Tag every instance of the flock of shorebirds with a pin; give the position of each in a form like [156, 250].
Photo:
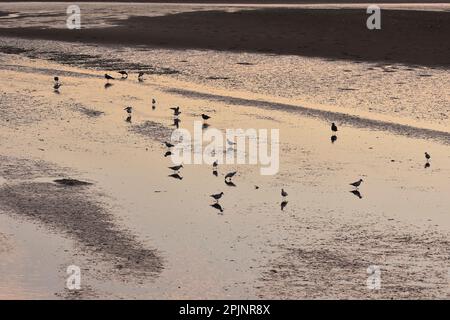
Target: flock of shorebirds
[228, 177]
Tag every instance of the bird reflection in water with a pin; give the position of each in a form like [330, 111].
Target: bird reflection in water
[230, 183]
[176, 176]
[168, 153]
[283, 205]
[333, 138]
[108, 85]
[217, 206]
[215, 173]
[128, 119]
[357, 193]
[176, 122]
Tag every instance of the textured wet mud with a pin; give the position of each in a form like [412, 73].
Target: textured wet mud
[70, 207]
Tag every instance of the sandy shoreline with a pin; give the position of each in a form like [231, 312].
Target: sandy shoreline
[412, 37]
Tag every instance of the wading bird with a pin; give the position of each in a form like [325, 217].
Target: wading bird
[176, 168]
[357, 183]
[334, 127]
[108, 77]
[124, 74]
[56, 86]
[284, 194]
[217, 196]
[128, 109]
[230, 175]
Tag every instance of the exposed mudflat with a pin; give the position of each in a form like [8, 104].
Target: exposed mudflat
[70, 207]
[82, 184]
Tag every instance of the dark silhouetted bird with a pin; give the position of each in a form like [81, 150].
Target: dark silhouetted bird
[357, 183]
[176, 168]
[217, 196]
[230, 175]
[57, 85]
[334, 127]
[284, 193]
[283, 204]
[427, 156]
[205, 117]
[168, 144]
[215, 164]
[123, 73]
[128, 109]
[108, 77]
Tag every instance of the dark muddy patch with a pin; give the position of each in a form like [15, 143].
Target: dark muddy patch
[154, 130]
[78, 214]
[27, 169]
[72, 182]
[88, 61]
[92, 113]
[217, 78]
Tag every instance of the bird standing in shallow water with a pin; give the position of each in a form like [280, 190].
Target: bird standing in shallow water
[168, 144]
[357, 183]
[334, 127]
[108, 77]
[124, 74]
[205, 116]
[176, 168]
[128, 109]
[230, 175]
[56, 86]
[141, 76]
[427, 156]
[284, 194]
[217, 196]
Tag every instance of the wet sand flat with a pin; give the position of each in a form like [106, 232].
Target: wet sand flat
[406, 36]
[319, 246]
